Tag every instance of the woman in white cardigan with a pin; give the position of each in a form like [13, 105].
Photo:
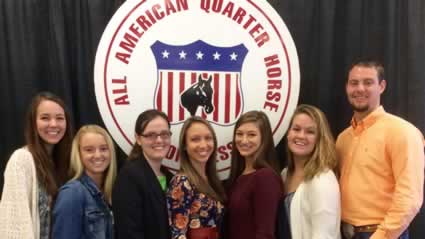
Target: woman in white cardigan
[312, 197]
[35, 171]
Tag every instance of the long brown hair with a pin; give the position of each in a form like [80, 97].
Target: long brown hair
[213, 187]
[323, 156]
[142, 121]
[266, 154]
[52, 170]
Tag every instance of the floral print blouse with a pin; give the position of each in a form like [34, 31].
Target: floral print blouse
[188, 208]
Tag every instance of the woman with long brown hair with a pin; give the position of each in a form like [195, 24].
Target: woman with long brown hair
[255, 187]
[35, 172]
[195, 196]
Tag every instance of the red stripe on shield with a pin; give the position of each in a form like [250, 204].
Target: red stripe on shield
[227, 99]
[216, 95]
[181, 89]
[159, 96]
[238, 96]
[170, 95]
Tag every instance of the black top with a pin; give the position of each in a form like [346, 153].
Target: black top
[138, 201]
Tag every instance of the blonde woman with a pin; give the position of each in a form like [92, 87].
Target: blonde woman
[311, 187]
[82, 209]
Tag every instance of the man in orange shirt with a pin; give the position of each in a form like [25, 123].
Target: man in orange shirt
[382, 162]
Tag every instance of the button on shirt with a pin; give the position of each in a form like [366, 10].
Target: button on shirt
[382, 173]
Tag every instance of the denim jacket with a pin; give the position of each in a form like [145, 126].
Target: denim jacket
[81, 212]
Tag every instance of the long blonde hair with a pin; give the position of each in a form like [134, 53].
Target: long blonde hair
[76, 168]
[213, 187]
[323, 156]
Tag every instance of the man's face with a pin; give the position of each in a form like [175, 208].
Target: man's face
[364, 89]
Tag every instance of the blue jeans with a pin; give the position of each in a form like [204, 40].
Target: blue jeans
[366, 235]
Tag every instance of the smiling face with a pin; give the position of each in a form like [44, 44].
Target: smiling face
[155, 148]
[95, 154]
[199, 143]
[302, 136]
[364, 89]
[248, 140]
[51, 122]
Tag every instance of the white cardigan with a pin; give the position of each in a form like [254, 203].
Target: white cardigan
[315, 211]
[19, 216]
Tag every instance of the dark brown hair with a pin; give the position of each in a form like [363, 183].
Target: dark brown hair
[142, 121]
[266, 154]
[371, 64]
[52, 170]
[213, 187]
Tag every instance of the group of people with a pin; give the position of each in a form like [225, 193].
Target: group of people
[369, 184]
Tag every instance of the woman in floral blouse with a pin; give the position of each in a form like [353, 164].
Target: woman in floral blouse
[195, 196]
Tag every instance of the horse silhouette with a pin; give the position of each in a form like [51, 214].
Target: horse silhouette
[199, 94]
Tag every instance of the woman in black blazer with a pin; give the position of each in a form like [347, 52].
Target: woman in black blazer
[138, 197]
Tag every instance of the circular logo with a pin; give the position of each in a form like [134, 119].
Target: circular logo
[212, 58]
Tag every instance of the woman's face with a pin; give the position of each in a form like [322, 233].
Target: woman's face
[155, 139]
[95, 154]
[199, 143]
[248, 139]
[302, 136]
[50, 122]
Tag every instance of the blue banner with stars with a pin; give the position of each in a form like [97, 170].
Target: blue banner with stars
[199, 56]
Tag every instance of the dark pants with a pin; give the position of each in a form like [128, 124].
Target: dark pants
[366, 235]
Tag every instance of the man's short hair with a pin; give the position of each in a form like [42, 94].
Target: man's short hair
[371, 64]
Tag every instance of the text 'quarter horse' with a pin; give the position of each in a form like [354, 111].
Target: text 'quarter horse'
[199, 94]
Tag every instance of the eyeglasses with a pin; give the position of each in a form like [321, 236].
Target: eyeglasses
[153, 136]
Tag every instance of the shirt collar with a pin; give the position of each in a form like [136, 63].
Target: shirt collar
[369, 120]
[90, 184]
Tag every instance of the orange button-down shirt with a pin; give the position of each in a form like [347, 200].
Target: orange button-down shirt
[382, 173]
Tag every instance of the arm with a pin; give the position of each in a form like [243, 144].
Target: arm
[324, 199]
[15, 205]
[267, 193]
[179, 202]
[68, 213]
[406, 153]
[127, 204]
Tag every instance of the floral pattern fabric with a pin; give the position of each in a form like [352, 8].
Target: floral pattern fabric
[188, 208]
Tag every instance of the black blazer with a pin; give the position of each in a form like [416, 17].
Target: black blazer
[138, 202]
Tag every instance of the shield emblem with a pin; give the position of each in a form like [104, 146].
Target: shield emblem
[199, 79]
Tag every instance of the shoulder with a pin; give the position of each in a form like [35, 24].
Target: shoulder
[21, 161]
[71, 189]
[399, 124]
[132, 166]
[71, 197]
[267, 176]
[179, 186]
[133, 170]
[21, 156]
[180, 179]
[266, 172]
[399, 131]
[327, 176]
[324, 181]
[345, 133]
